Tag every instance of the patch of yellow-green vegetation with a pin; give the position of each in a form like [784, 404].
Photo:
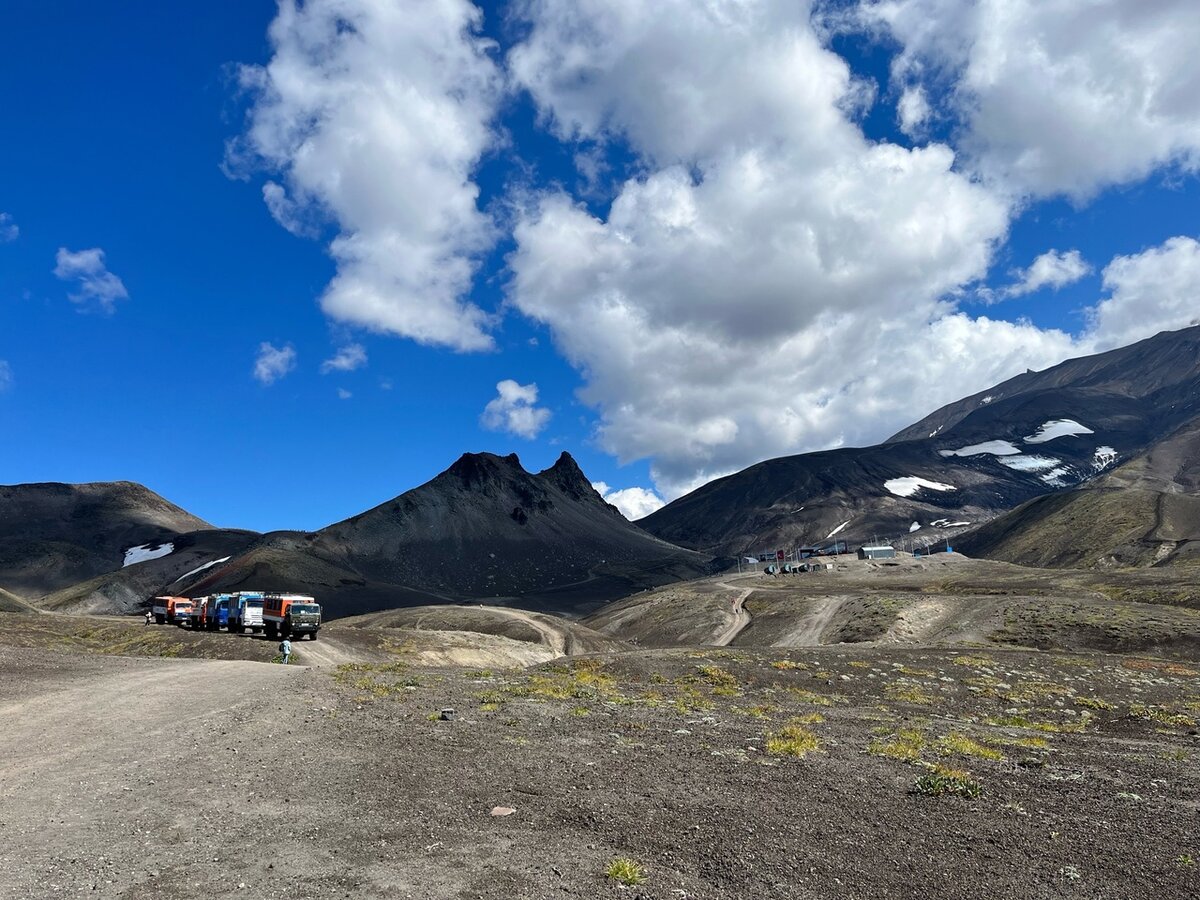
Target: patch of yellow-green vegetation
[583, 679]
[810, 697]
[689, 700]
[1159, 665]
[908, 693]
[1185, 861]
[478, 674]
[787, 665]
[1094, 703]
[581, 711]
[1163, 715]
[376, 680]
[1178, 754]
[974, 661]
[915, 673]
[722, 682]
[624, 870]
[1029, 691]
[904, 743]
[957, 744]
[1019, 721]
[794, 739]
[1080, 662]
[813, 718]
[1030, 743]
[762, 711]
[943, 781]
[860, 664]
[491, 707]
[823, 675]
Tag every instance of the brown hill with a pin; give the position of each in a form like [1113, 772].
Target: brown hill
[55, 535]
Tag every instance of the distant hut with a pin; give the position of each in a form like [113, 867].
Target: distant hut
[883, 551]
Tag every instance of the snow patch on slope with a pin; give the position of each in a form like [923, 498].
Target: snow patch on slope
[144, 553]
[1103, 458]
[910, 484]
[199, 569]
[995, 448]
[1029, 463]
[915, 526]
[837, 530]
[1057, 428]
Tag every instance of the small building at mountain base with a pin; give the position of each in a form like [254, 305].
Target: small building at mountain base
[880, 552]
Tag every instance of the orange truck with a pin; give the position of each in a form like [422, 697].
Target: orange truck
[173, 610]
[291, 615]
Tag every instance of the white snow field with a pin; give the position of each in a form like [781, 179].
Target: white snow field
[836, 530]
[207, 565]
[910, 484]
[1029, 463]
[995, 448]
[144, 553]
[1104, 457]
[1057, 428]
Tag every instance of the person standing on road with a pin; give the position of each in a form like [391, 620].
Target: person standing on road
[149, 617]
[286, 649]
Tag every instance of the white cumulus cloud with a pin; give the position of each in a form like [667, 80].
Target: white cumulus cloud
[1156, 290]
[633, 502]
[273, 363]
[347, 359]
[912, 110]
[514, 409]
[739, 299]
[8, 229]
[95, 284]
[1050, 270]
[373, 115]
[1057, 96]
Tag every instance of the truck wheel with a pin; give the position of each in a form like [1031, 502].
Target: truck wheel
[256, 630]
[271, 633]
[312, 636]
[159, 620]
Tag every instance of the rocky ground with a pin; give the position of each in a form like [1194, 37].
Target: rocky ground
[830, 772]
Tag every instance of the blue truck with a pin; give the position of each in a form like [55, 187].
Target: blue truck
[244, 612]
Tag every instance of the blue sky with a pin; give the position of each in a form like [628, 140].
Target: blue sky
[115, 130]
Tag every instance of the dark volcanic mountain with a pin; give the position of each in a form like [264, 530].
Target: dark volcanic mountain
[485, 529]
[964, 464]
[54, 535]
[1145, 512]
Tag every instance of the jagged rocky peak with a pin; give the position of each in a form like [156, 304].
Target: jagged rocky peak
[478, 469]
[566, 475]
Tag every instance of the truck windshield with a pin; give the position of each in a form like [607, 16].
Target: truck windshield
[253, 604]
[299, 608]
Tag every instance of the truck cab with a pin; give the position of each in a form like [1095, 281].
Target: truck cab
[291, 615]
[179, 611]
[171, 610]
[199, 618]
[218, 613]
[245, 612]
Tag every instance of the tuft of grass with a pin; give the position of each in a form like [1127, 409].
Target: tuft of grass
[809, 697]
[908, 693]
[1094, 703]
[1161, 714]
[973, 662]
[860, 664]
[942, 782]
[624, 870]
[906, 744]
[787, 665]
[961, 745]
[792, 740]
